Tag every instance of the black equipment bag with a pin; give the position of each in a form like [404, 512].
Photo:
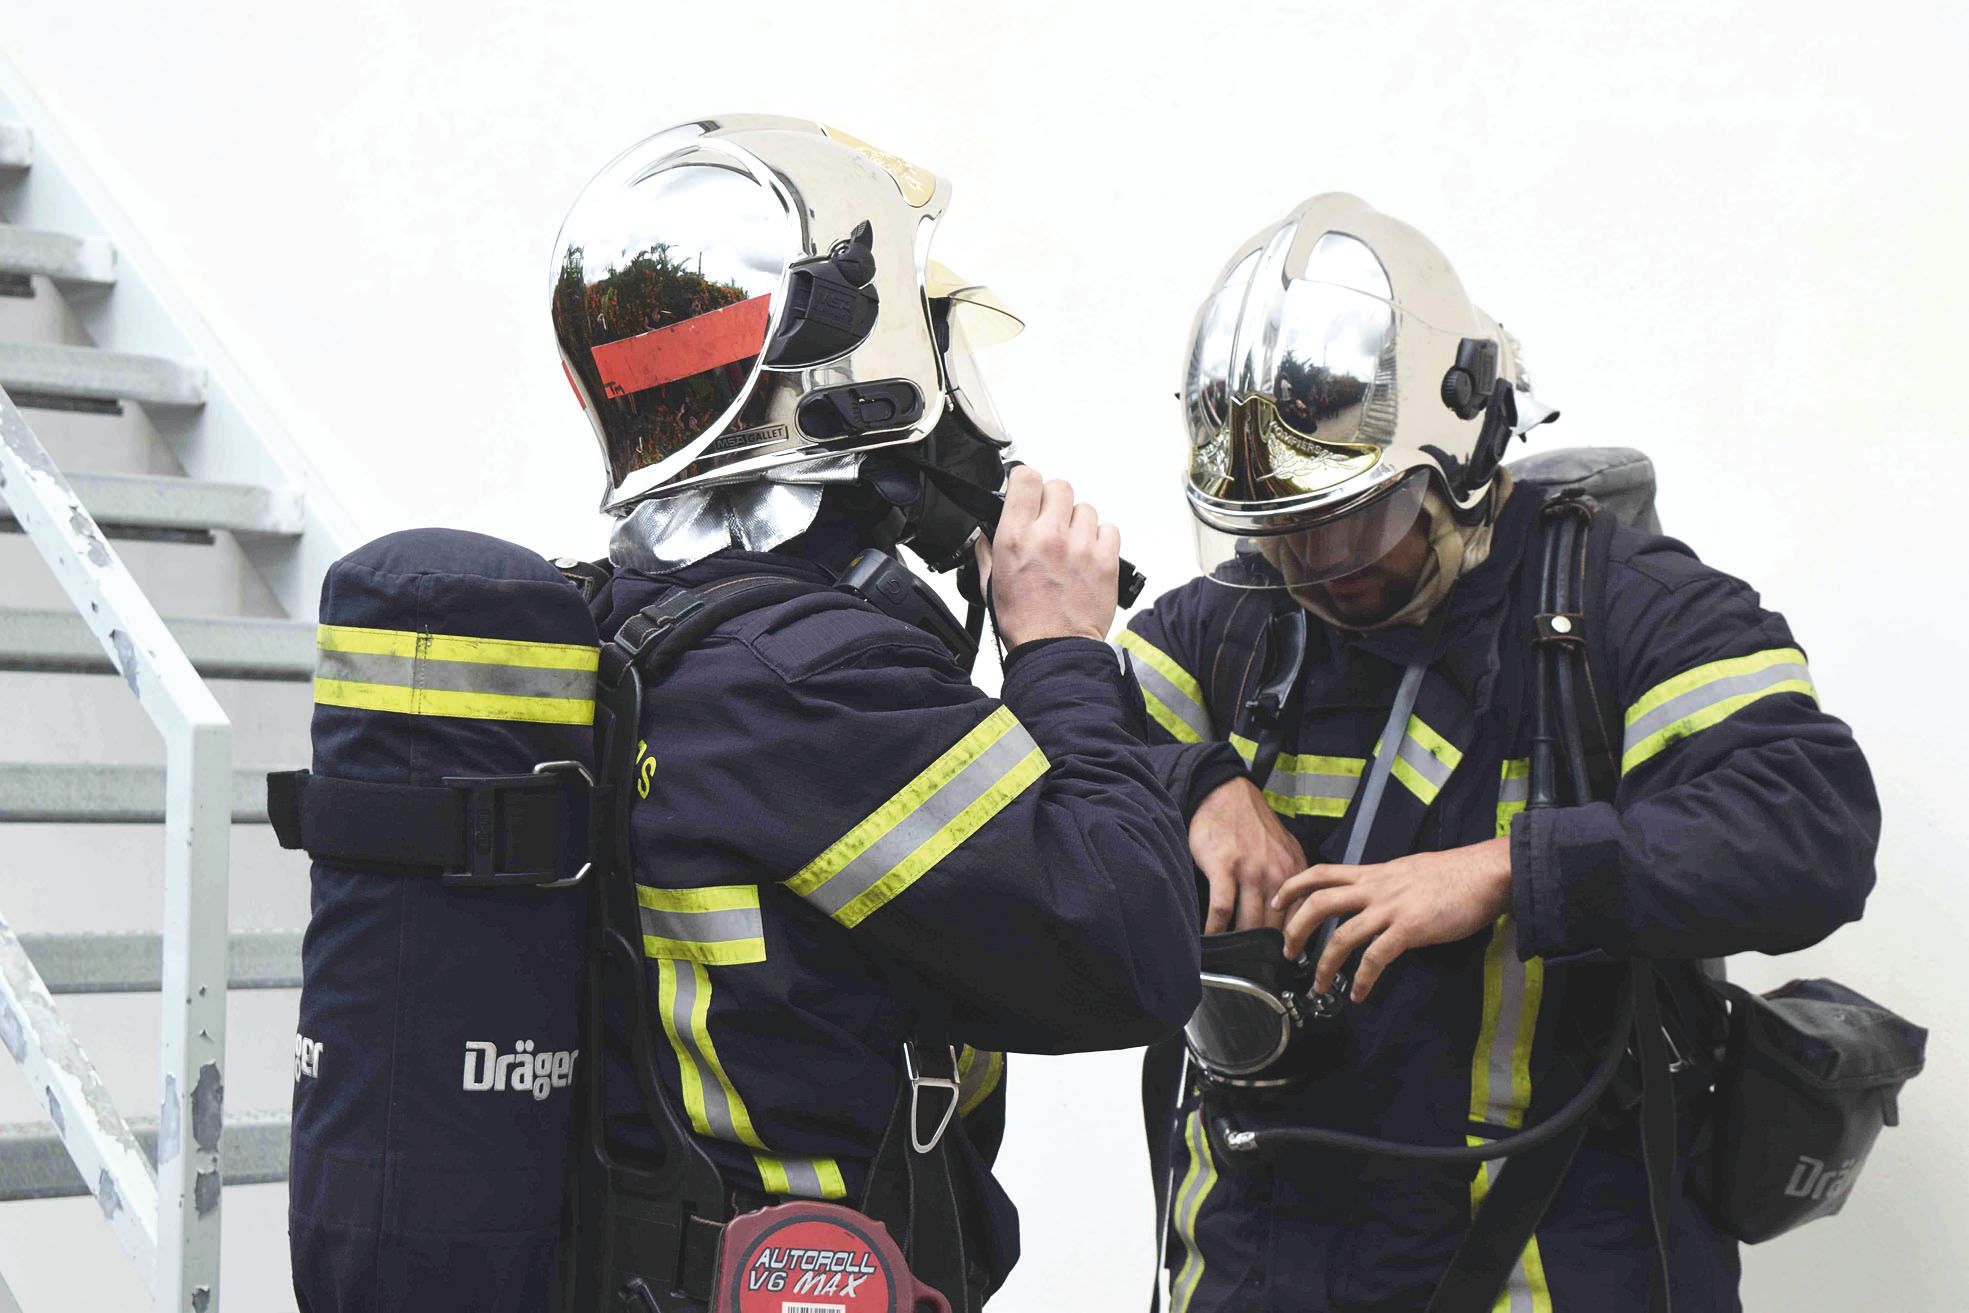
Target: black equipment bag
[1813, 1071]
[447, 815]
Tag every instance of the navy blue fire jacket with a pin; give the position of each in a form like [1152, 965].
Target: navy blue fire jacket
[833, 828]
[1745, 819]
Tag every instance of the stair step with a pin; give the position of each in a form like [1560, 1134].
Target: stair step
[16, 146]
[34, 792]
[145, 505]
[85, 373]
[134, 963]
[60, 256]
[33, 1164]
[59, 642]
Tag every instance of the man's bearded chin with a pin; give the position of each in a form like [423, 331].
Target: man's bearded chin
[1364, 597]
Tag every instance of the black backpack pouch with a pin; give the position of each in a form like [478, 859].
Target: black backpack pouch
[1812, 1072]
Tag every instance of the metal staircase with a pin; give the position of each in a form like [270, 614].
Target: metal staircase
[193, 498]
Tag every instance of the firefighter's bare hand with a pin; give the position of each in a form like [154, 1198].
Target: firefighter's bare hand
[1391, 907]
[1051, 563]
[1245, 853]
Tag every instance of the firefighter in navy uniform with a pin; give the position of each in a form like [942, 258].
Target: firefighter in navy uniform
[834, 833]
[1347, 407]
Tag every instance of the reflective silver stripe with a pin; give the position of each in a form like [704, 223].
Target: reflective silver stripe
[1188, 1208]
[1500, 1108]
[703, 927]
[1514, 790]
[1312, 784]
[1180, 704]
[803, 1178]
[718, 925]
[1517, 1295]
[453, 676]
[918, 826]
[1423, 763]
[1708, 694]
[717, 1111]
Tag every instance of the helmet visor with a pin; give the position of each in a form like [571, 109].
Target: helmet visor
[1340, 545]
[664, 303]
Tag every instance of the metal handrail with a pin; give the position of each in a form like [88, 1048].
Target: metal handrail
[166, 1217]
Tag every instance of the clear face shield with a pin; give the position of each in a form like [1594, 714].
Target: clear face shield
[1342, 546]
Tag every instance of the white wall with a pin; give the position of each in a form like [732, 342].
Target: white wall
[1724, 233]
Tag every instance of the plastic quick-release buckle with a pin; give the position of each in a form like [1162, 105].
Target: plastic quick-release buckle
[918, 1082]
[568, 783]
[633, 646]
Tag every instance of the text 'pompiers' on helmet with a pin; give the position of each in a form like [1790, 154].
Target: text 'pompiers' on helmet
[737, 296]
[1336, 369]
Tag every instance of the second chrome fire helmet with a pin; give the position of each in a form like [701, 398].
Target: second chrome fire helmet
[1336, 371]
[746, 308]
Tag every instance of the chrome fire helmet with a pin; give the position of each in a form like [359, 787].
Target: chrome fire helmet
[744, 307]
[1335, 372]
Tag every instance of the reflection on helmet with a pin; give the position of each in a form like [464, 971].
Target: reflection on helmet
[1337, 357]
[661, 328]
[742, 298]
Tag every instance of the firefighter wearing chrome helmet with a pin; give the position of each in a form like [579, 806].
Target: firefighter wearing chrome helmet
[1395, 947]
[853, 870]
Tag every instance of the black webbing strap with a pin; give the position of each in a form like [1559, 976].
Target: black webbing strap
[915, 1194]
[1525, 1187]
[1273, 707]
[1658, 1133]
[642, 1228]
[1162, 1092]
[482, 830]
[1505, 1222]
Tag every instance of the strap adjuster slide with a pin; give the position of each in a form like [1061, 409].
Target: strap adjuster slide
[918, 1082]
[497, 807]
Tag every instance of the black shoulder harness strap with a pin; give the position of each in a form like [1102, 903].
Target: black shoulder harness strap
[1576, 758]
[643, 1228]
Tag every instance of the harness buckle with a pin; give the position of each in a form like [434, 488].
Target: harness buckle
[561, 786]
[918, 1082]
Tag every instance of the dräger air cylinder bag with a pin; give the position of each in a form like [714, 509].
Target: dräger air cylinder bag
[1813, 1071]
[447, 815]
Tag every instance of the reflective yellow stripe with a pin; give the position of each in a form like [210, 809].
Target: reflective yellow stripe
[413, 673]
[457, 647]
[1426, 760]
[1500, 1068]
[450, 702]
[1527, 1291]
[717, 926]
[922, 823]
[978, 1072]
[1696, 699]
[1512, 790]
[1306, 784]
[809, 1178]
[711, 898]
[1172, 694]
[711, 1101]
[1187, 1207]
[1163, 662]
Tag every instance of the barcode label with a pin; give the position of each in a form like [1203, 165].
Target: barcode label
[813, 1308]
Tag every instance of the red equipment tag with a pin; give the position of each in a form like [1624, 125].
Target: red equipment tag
[816, 1258]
